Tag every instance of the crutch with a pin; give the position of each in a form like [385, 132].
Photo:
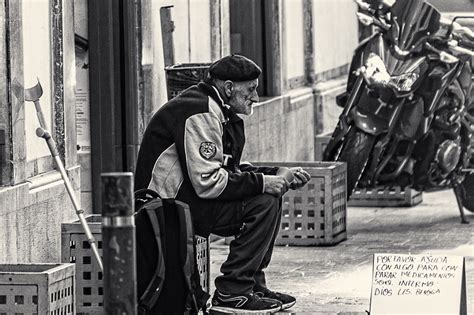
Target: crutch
[33, 95]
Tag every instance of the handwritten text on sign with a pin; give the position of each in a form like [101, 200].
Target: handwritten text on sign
[416, 284]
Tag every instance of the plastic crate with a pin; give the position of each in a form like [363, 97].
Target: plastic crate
[316, 213]
[203, 259]
[37, 289]
[89, 284]
[181, 76]
[385, 197]
[376, 197]
[76, 249]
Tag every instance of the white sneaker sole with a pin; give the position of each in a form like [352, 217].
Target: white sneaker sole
[288, 305]
[229, 310]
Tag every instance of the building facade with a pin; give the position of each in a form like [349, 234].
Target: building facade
[101, 65]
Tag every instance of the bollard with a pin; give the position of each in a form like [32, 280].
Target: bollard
[118, 241]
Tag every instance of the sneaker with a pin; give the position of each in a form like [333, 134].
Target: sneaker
[247, 303]
[286, 300]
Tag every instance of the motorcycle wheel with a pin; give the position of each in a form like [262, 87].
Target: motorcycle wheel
[467, 197]
[356, 152]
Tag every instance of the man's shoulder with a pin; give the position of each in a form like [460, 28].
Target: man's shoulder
[191, 101]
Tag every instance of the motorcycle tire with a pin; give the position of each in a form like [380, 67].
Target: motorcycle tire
[356, 152]
[467, 198]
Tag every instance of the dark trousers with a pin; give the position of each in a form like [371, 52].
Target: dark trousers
[255, 222]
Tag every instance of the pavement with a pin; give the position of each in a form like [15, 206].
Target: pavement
[337, 279]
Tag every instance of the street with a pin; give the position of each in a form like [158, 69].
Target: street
[337, 279]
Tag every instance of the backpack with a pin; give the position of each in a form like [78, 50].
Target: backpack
[167, 275]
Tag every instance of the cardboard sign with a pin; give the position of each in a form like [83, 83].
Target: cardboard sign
[418, 284]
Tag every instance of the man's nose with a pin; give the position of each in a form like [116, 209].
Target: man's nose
[254, 97]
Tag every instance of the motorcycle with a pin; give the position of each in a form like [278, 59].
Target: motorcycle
[408, 114]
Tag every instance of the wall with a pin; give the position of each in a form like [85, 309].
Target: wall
[30, 218]
[82, 108]
[335, 34]
[335, 37]
[281, 128]
[327, 111]
[200, 35]
[453, 6]
[34, 204]
[294, 45]
[199, 31]
[37, 53]
[192, 30]
[284, 128]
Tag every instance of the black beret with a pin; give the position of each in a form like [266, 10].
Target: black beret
[235, 68]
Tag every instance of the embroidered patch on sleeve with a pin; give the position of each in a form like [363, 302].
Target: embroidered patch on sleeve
[208, 150]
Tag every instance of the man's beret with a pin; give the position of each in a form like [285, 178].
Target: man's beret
[235, 68]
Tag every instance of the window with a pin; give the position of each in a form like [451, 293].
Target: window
[37, 56]
[32, 45]
[272, 34]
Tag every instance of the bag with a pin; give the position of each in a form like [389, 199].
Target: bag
[167, 275]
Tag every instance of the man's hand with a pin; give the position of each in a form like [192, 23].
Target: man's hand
[275, 185]
[301, 177]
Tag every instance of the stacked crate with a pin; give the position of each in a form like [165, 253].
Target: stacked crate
[203, 260]
[385, 197]
[375, 197]
[89, 285]
[37, 289]
[89, 278]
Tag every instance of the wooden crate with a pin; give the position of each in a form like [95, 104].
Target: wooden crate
[37, 289]
[181, 76]
[375, 197]
[316, 213]
[89, 284]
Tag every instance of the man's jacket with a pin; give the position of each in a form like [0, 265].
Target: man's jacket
[191, 151]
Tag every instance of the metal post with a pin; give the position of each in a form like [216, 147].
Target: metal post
[118, 239]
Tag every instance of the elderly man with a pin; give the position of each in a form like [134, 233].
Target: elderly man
[191, 151]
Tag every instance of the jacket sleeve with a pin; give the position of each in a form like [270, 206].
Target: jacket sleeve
[203, 151]
[266, 170]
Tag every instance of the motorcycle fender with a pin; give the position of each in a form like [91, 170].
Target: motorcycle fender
[368, 123]
[410, 118]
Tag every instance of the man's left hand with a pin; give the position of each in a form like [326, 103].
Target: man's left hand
[301, 177]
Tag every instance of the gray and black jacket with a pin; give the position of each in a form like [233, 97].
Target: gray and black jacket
[191, 151]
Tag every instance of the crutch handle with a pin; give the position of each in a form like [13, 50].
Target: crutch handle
[40, 132]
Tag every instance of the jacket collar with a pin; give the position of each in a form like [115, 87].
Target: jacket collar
[212, 91]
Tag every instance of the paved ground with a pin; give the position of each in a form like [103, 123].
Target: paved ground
[337, 280]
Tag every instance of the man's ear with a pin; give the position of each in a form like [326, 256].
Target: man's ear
[228, 88]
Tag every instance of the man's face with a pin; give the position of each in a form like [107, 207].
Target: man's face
[242, 97]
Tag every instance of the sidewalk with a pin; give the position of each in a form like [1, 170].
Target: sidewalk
[337, 280]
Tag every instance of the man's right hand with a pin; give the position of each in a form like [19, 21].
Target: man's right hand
[275, 185]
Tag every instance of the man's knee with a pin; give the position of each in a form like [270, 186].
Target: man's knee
[270, 200]
[266, 202]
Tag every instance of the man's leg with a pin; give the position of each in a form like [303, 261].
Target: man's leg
[260, 287]
[258, 217]
[259, 276]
